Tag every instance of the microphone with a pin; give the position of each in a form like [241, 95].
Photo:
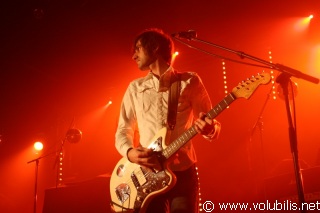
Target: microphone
[190, 34]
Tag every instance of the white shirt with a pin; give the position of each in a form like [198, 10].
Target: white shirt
[144, 111]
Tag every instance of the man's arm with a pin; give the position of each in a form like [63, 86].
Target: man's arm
[209, 128]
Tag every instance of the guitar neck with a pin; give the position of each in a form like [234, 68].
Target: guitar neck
[191, 132]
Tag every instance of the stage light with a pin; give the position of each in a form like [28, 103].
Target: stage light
[60, 168]
[38, 146]
[108, 104]
[224, 74]
[74, 135]
[38, 13]
[272, 78]
[303, 23]
[174, 55]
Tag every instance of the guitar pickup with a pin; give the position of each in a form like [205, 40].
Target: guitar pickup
[135, 180]
[138, 177]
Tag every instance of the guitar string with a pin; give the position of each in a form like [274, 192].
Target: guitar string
[138, 173]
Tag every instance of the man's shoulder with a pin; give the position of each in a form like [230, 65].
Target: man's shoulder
[138, 81]
[139, 84]
[187, 75]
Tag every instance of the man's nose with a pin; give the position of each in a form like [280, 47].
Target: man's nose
[134, 57]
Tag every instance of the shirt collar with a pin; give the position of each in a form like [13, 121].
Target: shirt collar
[164, 81]
[151, 81]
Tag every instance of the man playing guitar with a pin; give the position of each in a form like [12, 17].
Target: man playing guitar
[144, 111]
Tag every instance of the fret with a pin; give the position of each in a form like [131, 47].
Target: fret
[188, 136]
[185, 136]
[225, 101]
[189, 133]
[221, 106]
[174, 145]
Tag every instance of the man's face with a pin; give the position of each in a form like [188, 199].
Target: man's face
[142, 58]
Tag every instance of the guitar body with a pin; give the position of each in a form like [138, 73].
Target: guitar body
[132, 186]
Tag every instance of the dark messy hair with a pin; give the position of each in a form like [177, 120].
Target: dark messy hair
[154, 38]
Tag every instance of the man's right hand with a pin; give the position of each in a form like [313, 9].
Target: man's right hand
[144, 157]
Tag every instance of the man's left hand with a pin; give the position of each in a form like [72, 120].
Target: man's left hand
[204, 125]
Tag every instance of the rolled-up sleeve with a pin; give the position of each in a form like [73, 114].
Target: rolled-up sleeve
[126, 125]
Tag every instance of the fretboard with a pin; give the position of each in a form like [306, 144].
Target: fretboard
[191, 132]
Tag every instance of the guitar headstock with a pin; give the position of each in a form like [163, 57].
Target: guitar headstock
[246, 88]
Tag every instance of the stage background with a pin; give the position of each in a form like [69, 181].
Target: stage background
[62, 61]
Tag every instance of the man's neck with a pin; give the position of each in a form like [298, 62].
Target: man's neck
[159, 67]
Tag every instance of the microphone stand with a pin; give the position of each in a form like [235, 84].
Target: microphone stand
[37, 168]
[259, 124]
[279, 67]
[283, 80]
[36, 179]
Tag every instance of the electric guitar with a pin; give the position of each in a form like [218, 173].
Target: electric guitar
[132, 186]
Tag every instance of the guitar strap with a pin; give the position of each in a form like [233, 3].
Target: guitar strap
[173, 99]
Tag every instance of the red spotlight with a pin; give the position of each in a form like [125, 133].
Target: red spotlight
[38, 146]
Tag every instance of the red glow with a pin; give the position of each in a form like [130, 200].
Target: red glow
[314, 61]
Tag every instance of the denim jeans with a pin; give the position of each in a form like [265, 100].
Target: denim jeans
[182, 198]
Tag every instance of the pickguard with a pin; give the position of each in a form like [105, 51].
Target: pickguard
[156, 145]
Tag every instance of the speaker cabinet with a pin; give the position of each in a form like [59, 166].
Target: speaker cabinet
[85, 197]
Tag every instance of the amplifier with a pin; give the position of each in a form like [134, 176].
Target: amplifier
[83, 197]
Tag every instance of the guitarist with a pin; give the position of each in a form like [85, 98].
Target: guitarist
[144, 111]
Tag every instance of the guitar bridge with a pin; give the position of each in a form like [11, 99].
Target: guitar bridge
[123, 192]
